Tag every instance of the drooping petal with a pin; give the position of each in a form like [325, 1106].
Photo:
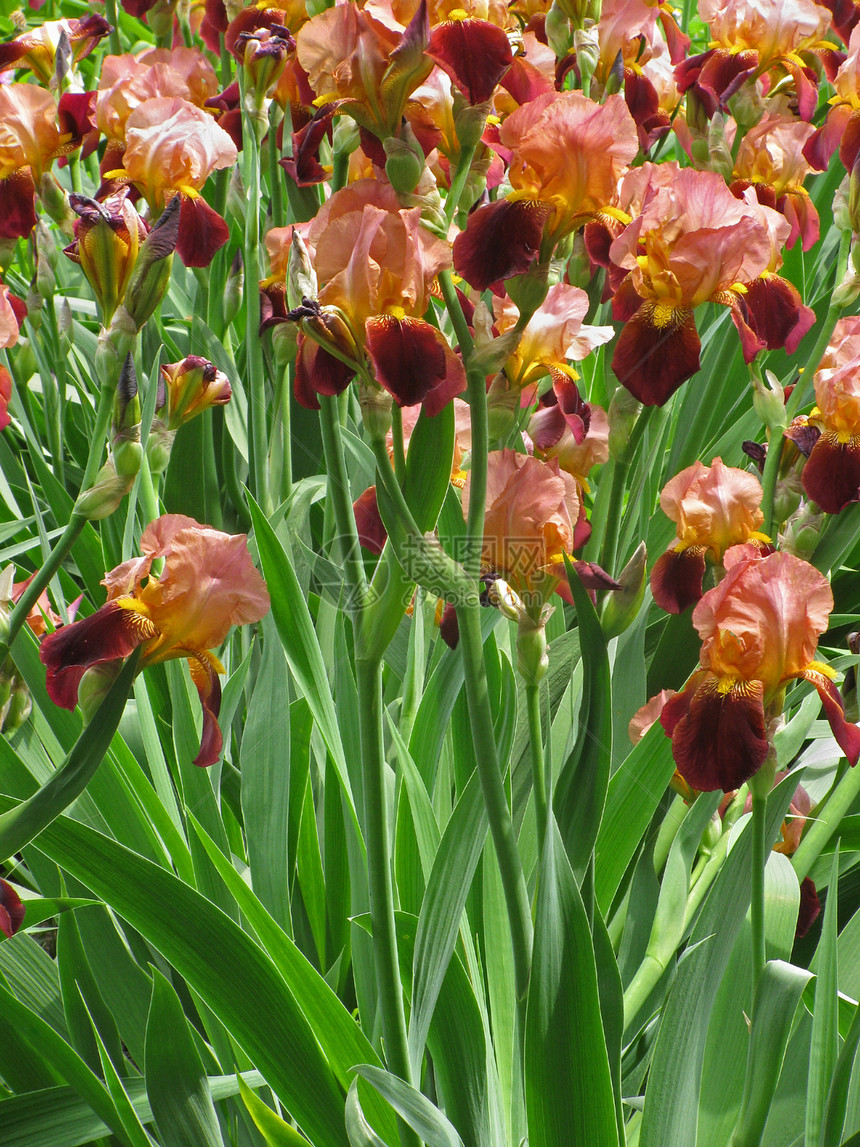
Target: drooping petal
[778, 312]
[718, 732]
[371, 531]
[676, 579]
[474, 53]
[318, 372]
[656, 352]
[202, 232]
[5, 395]
[831, 475]
[107, 635]
[11, 910]
[205, 677]
[412, 360]
[17, 205]
[501, 239]
[847, 735]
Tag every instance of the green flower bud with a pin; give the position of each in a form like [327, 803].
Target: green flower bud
[769, 401]
[151, 274]
[18, 708]
[559, 33]
[159, 445]
[105, 494]
[405, 161]
[622, 605]
[623, 412]
[234, 290]
[95, 685]
[375, 406]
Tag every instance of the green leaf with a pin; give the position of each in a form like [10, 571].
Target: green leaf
[580, 794]
[672, 1096]
[360, 1133]
[777, 997]
[569, 1096]
[428, 466]
[19, 825]
[175, 1080]
[631, 800]
[296, 631]
[274, 1130]
[65, 1061]
[412, 1107]
[824, 1051]
[442, 909]
[58, 1117]
[837, 1100]
[207, 950]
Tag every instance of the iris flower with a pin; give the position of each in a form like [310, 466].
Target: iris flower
[714, 507]
[759, 629]
[208, 584]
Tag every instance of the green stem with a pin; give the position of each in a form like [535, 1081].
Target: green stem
[498, 812]
[275, 186]
[647, 977]
[825, 822]
[458, 319]
[147, 493]
[413, 685]
[111, 17]
[376, 829]
[668, 830]
[257, 410]
[338, 492]
[769, 477]
[760, 786]
[834, 312]
[704, 882]
[397, 442]
[539, 781]
[458, 183]
[620, 471]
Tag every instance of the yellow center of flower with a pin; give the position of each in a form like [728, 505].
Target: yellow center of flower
[663, 315]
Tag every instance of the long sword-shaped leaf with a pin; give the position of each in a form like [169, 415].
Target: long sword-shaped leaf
[208, 949]
[19, 825]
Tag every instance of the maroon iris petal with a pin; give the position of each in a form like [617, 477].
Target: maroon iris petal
[209, 689]
[676, 579]
[810, 907]
[318, 372]
[414, 363]
[5, 395]
[110, 633]
[652, 361]
[202, 232]
[501, 239]
[831, 475]
[474, 53]
[718, 736]
[449, 628]
[371, 532]
[17, 205]
[304, 164]
[847, 736]
[11, 910]
[778, 314]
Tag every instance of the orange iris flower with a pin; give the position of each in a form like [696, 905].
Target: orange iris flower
[759, 629]
[208, 584]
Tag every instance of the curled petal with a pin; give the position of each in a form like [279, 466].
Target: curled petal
[107, 635]
[202, 232]
[676, 579]
[318, 372]
[847, 735]
[656, 352]
[414, 363]
[501, 239]
[204, 674]
[778, 313]
[824, 140]
[11, 910]
[831, 475]
[474, 53]
[371, 532]
[718, 731]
